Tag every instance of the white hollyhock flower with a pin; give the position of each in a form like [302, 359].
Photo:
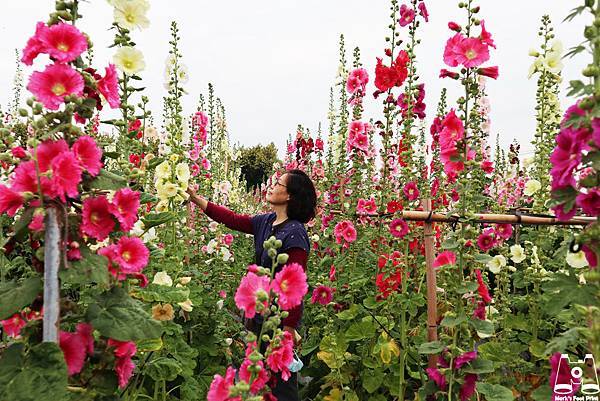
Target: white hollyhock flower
[131, 14]
[129, 60]
[531, 187]
[577, 260]
[496, 264]
[517, 253]
[162, 278]
[186, 305]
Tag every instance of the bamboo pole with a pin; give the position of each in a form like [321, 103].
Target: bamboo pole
[51, 265]
[431, 283]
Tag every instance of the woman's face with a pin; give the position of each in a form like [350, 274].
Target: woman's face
[277, 193]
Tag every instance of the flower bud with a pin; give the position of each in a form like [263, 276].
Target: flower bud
[282, 258]
[261, 296]
[23, 113]
[272, 252]
[284, 314]
[277, 244]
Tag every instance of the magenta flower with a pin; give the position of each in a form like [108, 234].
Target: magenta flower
[485, 36]
[131, 254]
[423, 11]
[464, 359]
[281, 356]
[411, 191]
[322, 294]
[562, 214]
[97, 219]
[124, 366]
[588, 202]
[219, 388]
[260, 380]
[407, 15]
[52, 85]
[13, 325]
[398, 228]
[468, 388]
[366, 206]
[562, 375]
[504, 231]
[74, 351]
[472, 52]
[357, 136]
[89, 154]
[450, 51]
[18, 152]
[486, 240]
[108, 86]
[47, 151]
[344, 230]
[66, 175]
[10, 200]
[34, 46]
[590, 256]
[482, 289]
[565, 157]
[444, 73]
[445, 258]
[437, 376]
[357, 80]
[290, 286]
[37, 221]
[453, 26]
[63, 42]
[252, 289]
[490, 72]
[124, 207]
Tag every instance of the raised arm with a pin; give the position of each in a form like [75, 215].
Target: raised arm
[220, 214]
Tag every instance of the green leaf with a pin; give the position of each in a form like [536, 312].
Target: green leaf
[564, 291]
[574, 12]
[576, 86]
[371, 379]
[479, 366]
[467, 286]
[360, 330]
[371, 303]
[147, 198]
[482, 326]
[161, 368]
[452, 321]
[495, 392]
[15, 296]
[349, 313]
[91, 268]
[563, 341]
[450, 243]
[432, 347]
[149, 344]
[482, 258]
[156, 219]
[117, 315]
[108, 181]
[38, 375]
[161, 293]
[542, 393]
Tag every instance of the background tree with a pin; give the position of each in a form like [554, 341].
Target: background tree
[257, 163]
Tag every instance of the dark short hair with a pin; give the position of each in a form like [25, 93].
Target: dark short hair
[303, 196]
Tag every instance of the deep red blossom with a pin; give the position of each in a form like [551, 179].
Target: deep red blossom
[389, 77]
[10, 201]
[124, 207]
[486, 240]
[322, 294]
[482, 289]
[89, 154]
[490, 72]
[97, 219]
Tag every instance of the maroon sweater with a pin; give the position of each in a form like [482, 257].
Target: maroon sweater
[243, 223]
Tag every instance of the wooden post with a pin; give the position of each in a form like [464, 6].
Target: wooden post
[51, 289]
[431, 282]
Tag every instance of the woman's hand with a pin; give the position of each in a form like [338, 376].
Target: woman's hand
[198, 200]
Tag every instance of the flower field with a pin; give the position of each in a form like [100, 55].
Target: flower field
[442, 266]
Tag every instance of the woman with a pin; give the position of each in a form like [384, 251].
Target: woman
[293, 202]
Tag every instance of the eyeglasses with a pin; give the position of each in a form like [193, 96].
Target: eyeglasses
[278, 183]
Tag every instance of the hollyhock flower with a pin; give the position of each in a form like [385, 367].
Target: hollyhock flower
[163, 312]
[66, 175]
[357, 80]
[89, 154]
[322, 294]
[332, 273]
[162, 278]
[472, 52]
[13, 325]
[344, 230]
[63, 42]
[444, 73]
[482, 289]
[37, 221]
[123, 349]
[437, 376]
[260, 380]
[451, 56]
[131, 14]
[10, 200]
[124, 368]
[25, 179]
[561, 214]
[47, 151]
[504, 231]
[453, 130]
[453, 26]
[411, 191]
[490, 72]
[280, 357]
[589, 202]
[486, 240]
[496, 264]
[468, 388]
[479, 312]
[108, 86]
[423, 11]
[445, 258]
[74, 348]
[531, 187]
[97, 220]
[388, 77]
[393, 206]
[464, 359]
[590, 256]
[357, 136]
[52, 85]
[131, 254]
[517, 253]
[124, 207]
[561, 373]
[576, 260]
[290, 285]
[565, 157]
[129, 60]
[485, 36]
[365, 206]
[34, 46]
[407, 15]
[253, 289]
[398, 228]
[387, 284]
[487, 166]
[219, 388]
[18, 152]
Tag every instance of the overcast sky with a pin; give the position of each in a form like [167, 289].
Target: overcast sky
[272, 61]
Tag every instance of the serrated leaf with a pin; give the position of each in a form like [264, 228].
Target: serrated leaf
[17, 295]
[161, 293]
[349, 313]
[371, 379]
[108, 181]
[468, 286]
[432, 347]
[452, 321]
[450, 243]
[161, 368]
[495, 392]
[371, 303]
[149, 344]
[479, 366]
[91, 268]
[116, 315]
[360, 330]
[482, 326]
[156, 219]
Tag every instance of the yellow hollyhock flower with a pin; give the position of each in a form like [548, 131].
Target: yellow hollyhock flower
[129, 60]
[131, 14]
[183, 173]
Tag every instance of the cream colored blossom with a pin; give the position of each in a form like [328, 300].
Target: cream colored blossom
[131, 14]
[577, 260]
[517, 253]
[185, 280]
[182, 171]
[129, 60]
[531, 187]
[186, 305]
[162, 278]
[553, 62]
[162, 206]
[496, 264]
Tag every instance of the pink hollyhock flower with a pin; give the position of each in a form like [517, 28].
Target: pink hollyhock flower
[423, 11]
[52, 85]
[486, 240]
[124, 207]
[290, 285]
[123, 349]
[453, 130]
[73, 254]
[468, 388]
[206, 164]
[451, 56]
[10, 201]
[561, 214]
[131, 254]
[485, 36]
[398, 228]
[453, 26]
[407, 15]
[47, 151]
[18, 152]
[252, 289]
[74, 348]
[108, 86]
[357, 80]
[590, 256]
[560, 375]
[490, 72]
[437, 376]
[89, 154]
[366, 206]
[37, 221]
[344, 230]
[279, 358]
[260, 380]
[487, 166]
[34, 46]
[565, 157]
[472, 52]
[504, 231]
[482, 289]
[322, 295]
[219, 388]
[464, 359]
[85, 330]
[588, 202]
[445, 258]
[228, 239]
[357, 136]
[124, 368]
[479, 312]
[13, 325]
[25, 179]
[63, 42]
[66, 175]
[411, 191]
[444, 73]
[97, 219]
[332, 273]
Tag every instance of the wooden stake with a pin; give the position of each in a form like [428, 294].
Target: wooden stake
[431, 282]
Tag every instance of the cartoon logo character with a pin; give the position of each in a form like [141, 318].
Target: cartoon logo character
[576, 376]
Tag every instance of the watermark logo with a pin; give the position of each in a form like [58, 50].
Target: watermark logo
[565, 386]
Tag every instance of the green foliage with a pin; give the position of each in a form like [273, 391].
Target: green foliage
[257, 164]
[17, 295]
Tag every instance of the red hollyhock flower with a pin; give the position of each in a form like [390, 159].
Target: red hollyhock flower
[486, 240]
[322, 294]
[280, 357]
[66, 175]
[468, 388]
[445, 258]
[89, 154]
[124, 207]
[108, 86]
[482, 289]
[10, 201]
[490, 72]
[13, 325]
[76, 346]
[97, 220]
